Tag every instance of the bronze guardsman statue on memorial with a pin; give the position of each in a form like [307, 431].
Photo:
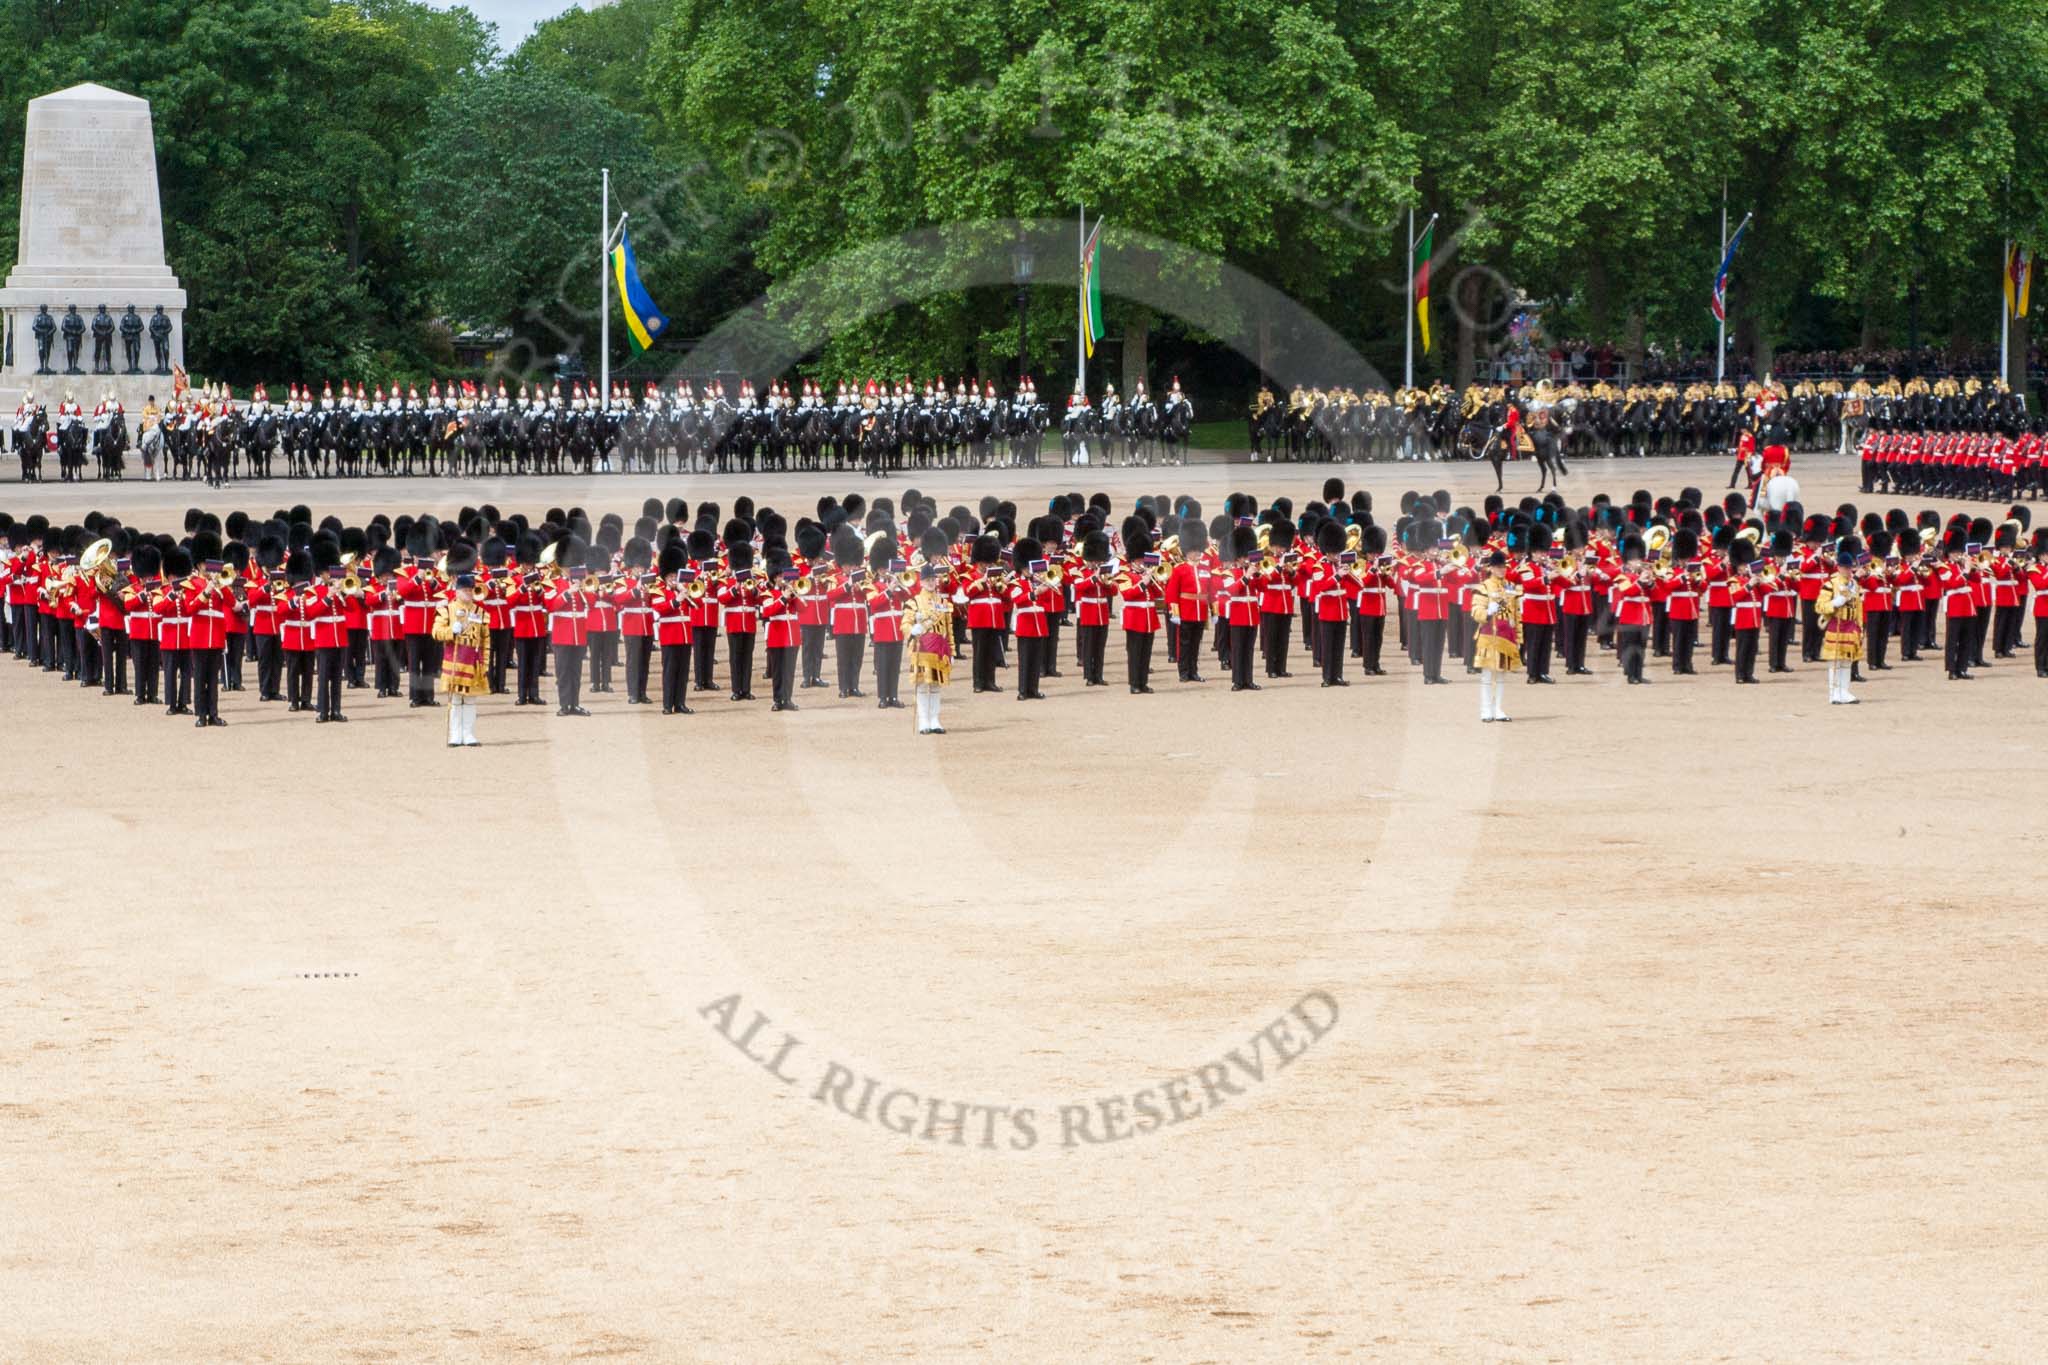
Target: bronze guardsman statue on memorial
[131, 340]
[160, 340]
[74, 337]
[103, 341]
[45, 329]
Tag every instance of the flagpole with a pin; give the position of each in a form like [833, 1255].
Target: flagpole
[604, 275]
[2005, 286]
[1081, 319]
[1721, 325]
[1408, 358]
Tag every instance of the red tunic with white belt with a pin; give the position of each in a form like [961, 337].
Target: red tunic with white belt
[671, 614]
[636, 613]
[1630, 599]
[568, 614]
[780, 609]
[1138, 606]
[739, 608]
[846, 606]
[528, 609]
[885, 616]
[1539, 603]
[206, 605]
[1032, 620]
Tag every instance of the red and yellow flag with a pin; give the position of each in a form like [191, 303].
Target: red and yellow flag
[2019, 278]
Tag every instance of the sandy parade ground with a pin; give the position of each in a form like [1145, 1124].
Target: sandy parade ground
[1671, 1023]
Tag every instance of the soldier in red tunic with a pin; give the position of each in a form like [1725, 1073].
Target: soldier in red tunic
[1778, 583]
[1190, 594]
[206, 604]
[845, 602]
[705, 612]
[739, 610]
[1954, 579]
[1683, 587]
[813, 616]
[886, 595]
[139, 605]
[381, 612]
[174, 632]
[237, 577]
[1572, 582]
[1538, 604]
[1276, 598]
[636, 613]
[527, 596]
[568, 605]
[1033, 622]
[601, 641]
[1240, 605]
[985, 592]
[494, 595]
[670, 596]
[782, 636]
[1630, 596]
[1092, 606]
[295, 630]
[1875, 579]
[1140, 590]
[416, 589]
[329, 616]
[1745, 608]
[1336, 570]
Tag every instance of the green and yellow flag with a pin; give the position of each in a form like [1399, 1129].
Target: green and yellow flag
[644, 321]
[1423, 251]
[1091, 289]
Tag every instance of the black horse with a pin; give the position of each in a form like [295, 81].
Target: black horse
[217, 447]
[28, 444]
[110, 445]
[71, 439]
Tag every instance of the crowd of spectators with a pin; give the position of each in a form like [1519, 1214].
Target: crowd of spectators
[1587, 361]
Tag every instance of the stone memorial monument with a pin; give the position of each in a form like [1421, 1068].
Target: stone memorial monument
[92, 248]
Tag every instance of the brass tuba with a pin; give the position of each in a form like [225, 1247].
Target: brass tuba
[97, 563]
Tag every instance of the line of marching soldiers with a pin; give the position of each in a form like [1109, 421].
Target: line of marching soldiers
[320, 610]
[1985, 466]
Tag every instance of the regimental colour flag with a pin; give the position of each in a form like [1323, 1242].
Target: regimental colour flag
[1091, 289]
[644, 321]
[1425, 247]
[1720, 304]
[2019, 278]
